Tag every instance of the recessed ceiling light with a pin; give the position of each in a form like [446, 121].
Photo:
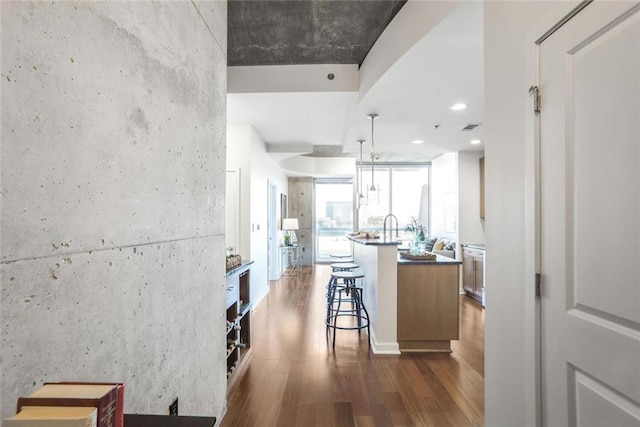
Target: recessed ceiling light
[476, 141]
[417, 141]
[459, 106]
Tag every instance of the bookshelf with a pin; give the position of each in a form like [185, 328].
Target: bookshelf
[238, 319]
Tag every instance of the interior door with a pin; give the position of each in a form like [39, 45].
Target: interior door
[590, 218]
[272, 252]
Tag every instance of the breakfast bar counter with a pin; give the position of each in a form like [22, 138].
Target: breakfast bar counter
[413, 304]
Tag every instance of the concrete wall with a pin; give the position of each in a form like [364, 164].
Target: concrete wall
[113, 159]
[301, 206]
[510, 302]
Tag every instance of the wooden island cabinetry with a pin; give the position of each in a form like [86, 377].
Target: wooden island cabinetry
[473, 270]
[428, 309]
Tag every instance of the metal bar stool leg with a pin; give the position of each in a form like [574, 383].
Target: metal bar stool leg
[366, 313]
[335, 317]
[344, 301]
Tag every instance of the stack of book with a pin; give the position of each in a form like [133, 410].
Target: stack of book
[71, 404]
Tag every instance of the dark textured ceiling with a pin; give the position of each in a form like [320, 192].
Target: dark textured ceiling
[284, 32]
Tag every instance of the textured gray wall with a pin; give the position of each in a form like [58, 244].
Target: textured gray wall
[300, 202]
[112, 192]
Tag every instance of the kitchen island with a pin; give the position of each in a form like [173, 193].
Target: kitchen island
[413, 304]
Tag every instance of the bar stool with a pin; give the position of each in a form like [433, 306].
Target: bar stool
[337, 258]
[344, 266]
[343, 289]
[342, 260]
[341, 255]
[334, 281]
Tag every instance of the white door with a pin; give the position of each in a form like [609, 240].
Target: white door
[272, 253]
[232, 211]
[590, 218]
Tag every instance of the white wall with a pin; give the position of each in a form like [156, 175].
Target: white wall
[239, 161]
[232, 211]
[444, 187]
[471, 226]
[248, 152]
[113, 133]
[510, 30]
[412, 23]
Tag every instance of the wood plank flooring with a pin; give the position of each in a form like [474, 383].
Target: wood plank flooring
[295, 378]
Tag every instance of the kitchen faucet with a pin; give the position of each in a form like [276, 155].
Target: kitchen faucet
[391, 217]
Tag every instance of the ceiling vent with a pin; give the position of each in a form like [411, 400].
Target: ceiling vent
[470, 127]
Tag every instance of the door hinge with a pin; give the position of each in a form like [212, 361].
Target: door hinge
[538, 285]
[535, 90]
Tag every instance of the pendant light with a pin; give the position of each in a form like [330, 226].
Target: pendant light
[373, 189]
[362, 201]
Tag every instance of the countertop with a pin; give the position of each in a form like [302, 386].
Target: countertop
[474, 246]
[238, 268]
[440, 260]
[380, 241]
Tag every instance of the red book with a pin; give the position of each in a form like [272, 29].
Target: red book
[119, 400]
[101, 396]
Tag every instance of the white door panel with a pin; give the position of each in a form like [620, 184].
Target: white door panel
[595, 402]
[590, 218]
[603, 174]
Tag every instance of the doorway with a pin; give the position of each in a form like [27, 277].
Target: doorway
[333, 209]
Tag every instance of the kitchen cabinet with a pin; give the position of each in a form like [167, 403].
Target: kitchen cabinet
[481, 167]
[473, 270]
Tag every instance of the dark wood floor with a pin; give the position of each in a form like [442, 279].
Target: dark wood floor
[294, 378]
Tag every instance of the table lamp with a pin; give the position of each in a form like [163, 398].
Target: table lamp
[289, 225]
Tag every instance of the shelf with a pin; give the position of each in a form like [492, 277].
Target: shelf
[244, 309]
[138, 420]
[231, 326]
[230, 351]
[238, 321]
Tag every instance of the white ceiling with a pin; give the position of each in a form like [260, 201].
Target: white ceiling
[411, 97]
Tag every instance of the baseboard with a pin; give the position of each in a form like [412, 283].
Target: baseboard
[383, 348]
[254, 304]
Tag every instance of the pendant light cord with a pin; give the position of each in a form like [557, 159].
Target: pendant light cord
[360, 171]
[373, 153]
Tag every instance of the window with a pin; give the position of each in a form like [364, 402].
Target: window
[333, 217]
[403, 191]
[377, 205]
